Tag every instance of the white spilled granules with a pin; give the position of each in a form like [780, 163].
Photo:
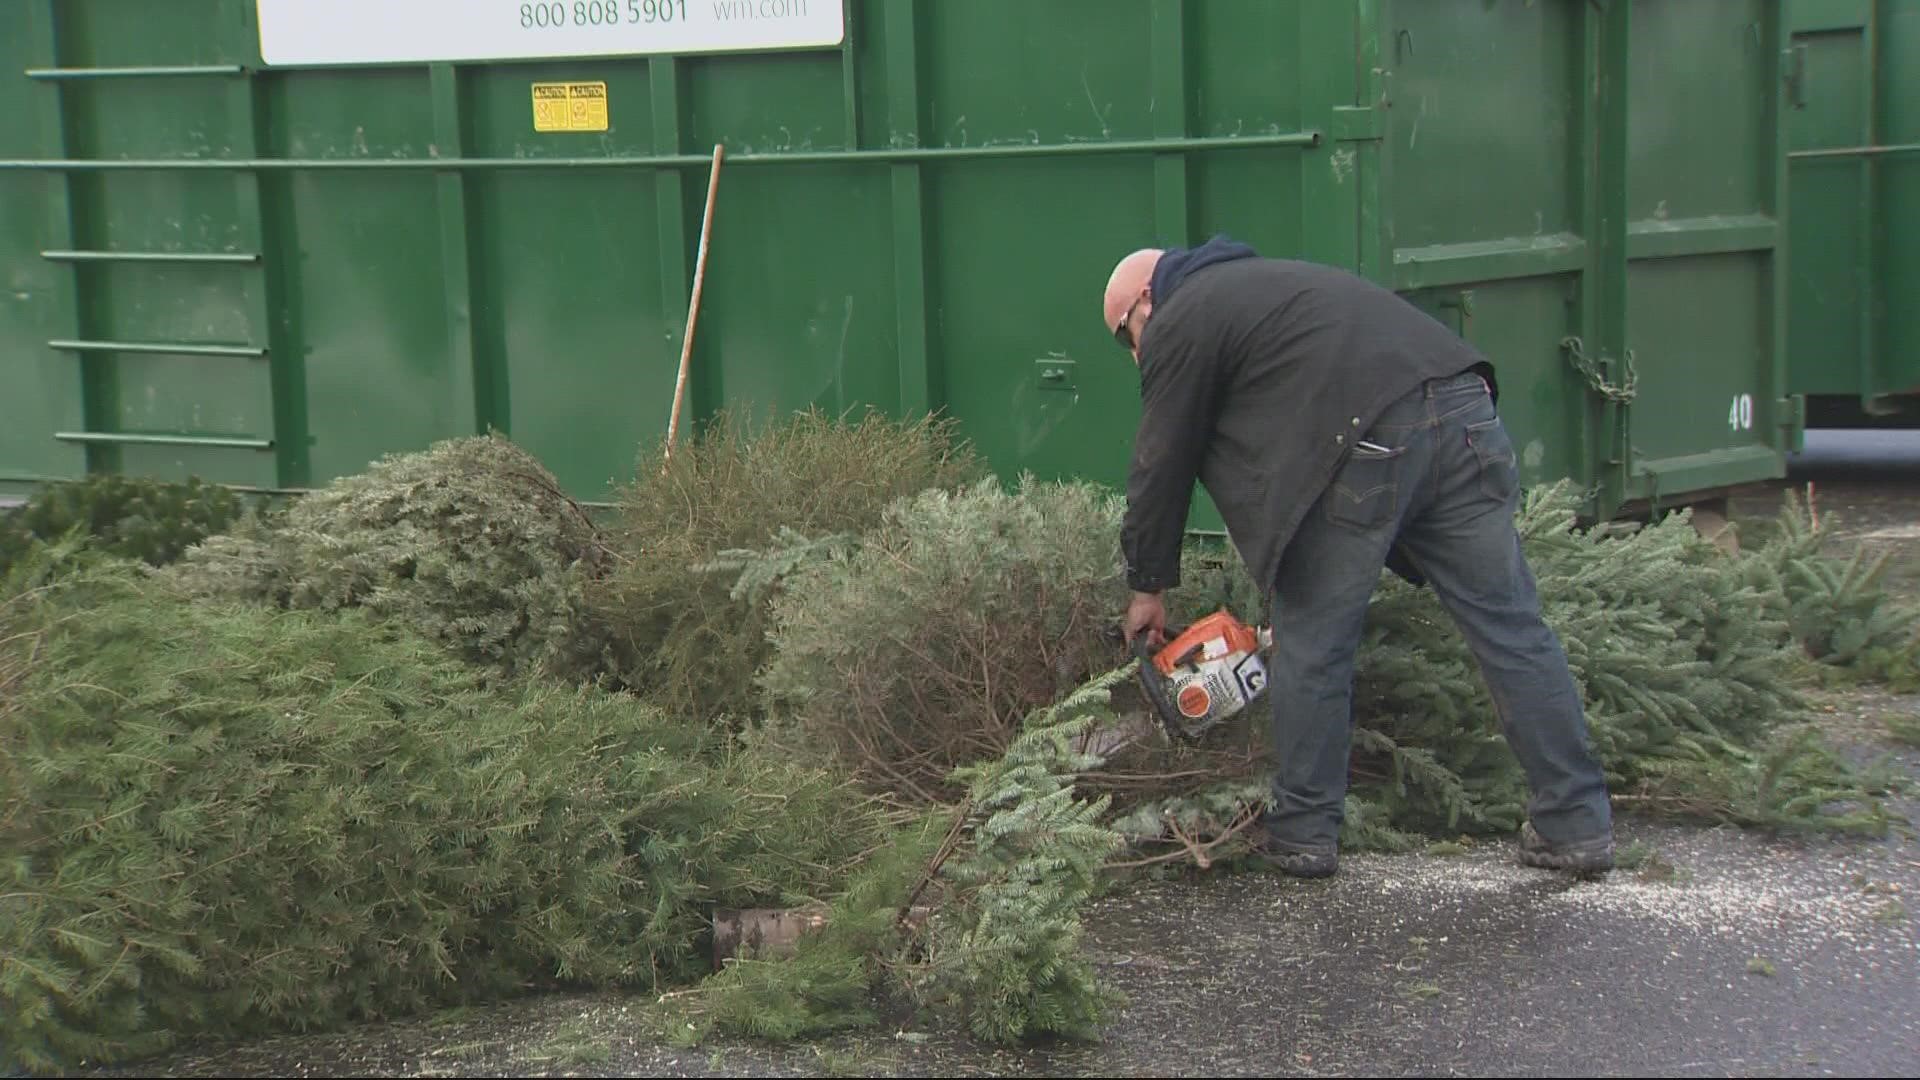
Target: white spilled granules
[1785, 901]
[1724, 904]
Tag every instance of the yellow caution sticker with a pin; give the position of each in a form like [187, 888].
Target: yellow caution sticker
[570, 106]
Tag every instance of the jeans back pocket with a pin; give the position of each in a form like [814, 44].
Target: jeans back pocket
[1365, 493]
[1493, 449]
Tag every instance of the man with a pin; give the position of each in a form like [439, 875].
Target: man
[1339, 429]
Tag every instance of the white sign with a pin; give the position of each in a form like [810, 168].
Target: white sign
[424, 31]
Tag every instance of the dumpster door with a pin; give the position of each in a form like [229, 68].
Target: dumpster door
[1706, 248]
[1851, 163]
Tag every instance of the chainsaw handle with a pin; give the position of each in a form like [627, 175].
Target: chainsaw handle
[1144, 650]
[1154, 684]
[1141, 650]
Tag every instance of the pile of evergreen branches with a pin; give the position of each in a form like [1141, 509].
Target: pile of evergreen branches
[999, 953]
[922, 649]
[231, 820]
[1690, 660]
[980, 605]
[1838, 609]
[470, 542]
[679, 631]
[359, 757]
[132, 517]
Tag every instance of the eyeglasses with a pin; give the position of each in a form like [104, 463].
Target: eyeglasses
[1120, 332]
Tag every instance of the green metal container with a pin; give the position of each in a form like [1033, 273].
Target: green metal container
[266, 241]
[1854, 345]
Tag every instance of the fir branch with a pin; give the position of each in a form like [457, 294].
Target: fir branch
[761, 571]
[1010, 963]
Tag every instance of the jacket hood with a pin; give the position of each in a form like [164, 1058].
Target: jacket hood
[1180, 263]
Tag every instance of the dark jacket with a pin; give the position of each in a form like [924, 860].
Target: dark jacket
[1256, 377]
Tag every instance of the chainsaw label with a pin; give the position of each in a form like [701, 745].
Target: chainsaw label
[1252, 675]
[1195, 701]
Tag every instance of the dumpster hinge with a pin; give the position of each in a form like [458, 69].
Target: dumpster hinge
[1357, 123]
[1792, 411]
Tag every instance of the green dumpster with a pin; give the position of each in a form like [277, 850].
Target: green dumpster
[1854, 346]
[266, 241]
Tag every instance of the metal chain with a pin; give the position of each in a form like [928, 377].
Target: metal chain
[1623, 394]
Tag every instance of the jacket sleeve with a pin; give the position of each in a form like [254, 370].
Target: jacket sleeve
[1177, 391]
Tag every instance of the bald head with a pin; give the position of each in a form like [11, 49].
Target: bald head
[1128, 281]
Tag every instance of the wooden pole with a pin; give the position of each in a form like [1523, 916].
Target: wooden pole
[693, 304]
[762, 932]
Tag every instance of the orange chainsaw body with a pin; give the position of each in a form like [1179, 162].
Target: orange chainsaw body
[1206, 674]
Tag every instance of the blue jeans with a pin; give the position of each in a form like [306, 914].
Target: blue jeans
[1446, 488]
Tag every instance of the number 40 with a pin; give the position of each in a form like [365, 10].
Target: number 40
[1740, 413]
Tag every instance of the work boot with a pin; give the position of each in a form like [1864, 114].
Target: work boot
[1296, 862]
[1587, 858]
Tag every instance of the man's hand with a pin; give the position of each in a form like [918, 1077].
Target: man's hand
[1147, 614]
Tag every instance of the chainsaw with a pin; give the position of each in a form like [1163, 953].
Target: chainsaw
[1205, 674]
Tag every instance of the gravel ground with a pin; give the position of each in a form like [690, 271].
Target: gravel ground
[1718, 952]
